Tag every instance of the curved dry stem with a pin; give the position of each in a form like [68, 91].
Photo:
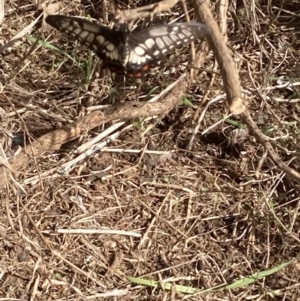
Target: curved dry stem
[232, 85]
[126, 111]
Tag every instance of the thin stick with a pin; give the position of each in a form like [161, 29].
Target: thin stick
[145, 11]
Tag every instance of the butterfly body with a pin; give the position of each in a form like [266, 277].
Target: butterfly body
[131, 53]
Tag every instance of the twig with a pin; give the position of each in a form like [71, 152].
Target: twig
[267, 144]
[124, 111]
[19, 35]
[232, 85]
[93, 231]
[77, 269]
[201, 117]
[2, 11]
[145, 11]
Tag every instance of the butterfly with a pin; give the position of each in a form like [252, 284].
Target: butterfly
[131, 53]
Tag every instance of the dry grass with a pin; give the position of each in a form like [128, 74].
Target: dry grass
[198, 218]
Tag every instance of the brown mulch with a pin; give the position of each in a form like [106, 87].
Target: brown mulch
[76, 219]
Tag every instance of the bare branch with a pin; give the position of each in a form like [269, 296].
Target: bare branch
[232, 85]
[145, 11]
[266, 143]
[125, 111]
[228, 70]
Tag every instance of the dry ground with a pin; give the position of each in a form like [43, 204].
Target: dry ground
[200, 218]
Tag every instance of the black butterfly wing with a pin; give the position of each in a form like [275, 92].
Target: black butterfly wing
[150, 45]
[130, 53]
[103, 40]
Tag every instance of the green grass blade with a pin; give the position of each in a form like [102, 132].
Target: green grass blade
[52, 47]
[190, 290]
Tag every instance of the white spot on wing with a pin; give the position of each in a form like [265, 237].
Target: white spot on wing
[156, 52]
[149, 43]
[131, 58]
[136, 59]
[186, 32]
[159, 31]
[89, 37]
[160, 43]
[110, 47]
[174, 37]
[100, 39]
[167, 41]
[65, 25]
[139, 50]
[77, 31]
[114, 55]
